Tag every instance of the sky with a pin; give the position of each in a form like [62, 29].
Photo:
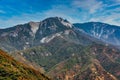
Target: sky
[13, 12]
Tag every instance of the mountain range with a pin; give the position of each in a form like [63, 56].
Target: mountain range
[107, 33]
[66, 51]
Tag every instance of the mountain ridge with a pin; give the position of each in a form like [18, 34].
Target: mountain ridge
[63, 48]
[107, 33]
[30, 33]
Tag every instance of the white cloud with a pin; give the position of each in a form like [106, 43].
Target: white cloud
[21, 19]
[117, 0]
[64, 12]
[59, 10]
[91, 5]
[110, 19]
[98, 11]
[2, 12]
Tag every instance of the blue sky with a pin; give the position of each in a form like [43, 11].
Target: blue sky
[13, 12]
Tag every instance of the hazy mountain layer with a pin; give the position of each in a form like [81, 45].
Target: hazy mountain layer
[107, 33]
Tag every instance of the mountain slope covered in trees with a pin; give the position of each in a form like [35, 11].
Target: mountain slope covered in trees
[10, 69]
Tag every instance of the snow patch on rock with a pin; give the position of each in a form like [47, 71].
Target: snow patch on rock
[13, 34]
[67, 24]
[34, 26]
[49, 38]
[21, 53]
[67, 32]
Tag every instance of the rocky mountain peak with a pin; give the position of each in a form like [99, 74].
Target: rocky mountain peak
[34, 26]
[58, 21]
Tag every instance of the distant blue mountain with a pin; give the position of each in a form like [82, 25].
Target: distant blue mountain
[102, 31]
